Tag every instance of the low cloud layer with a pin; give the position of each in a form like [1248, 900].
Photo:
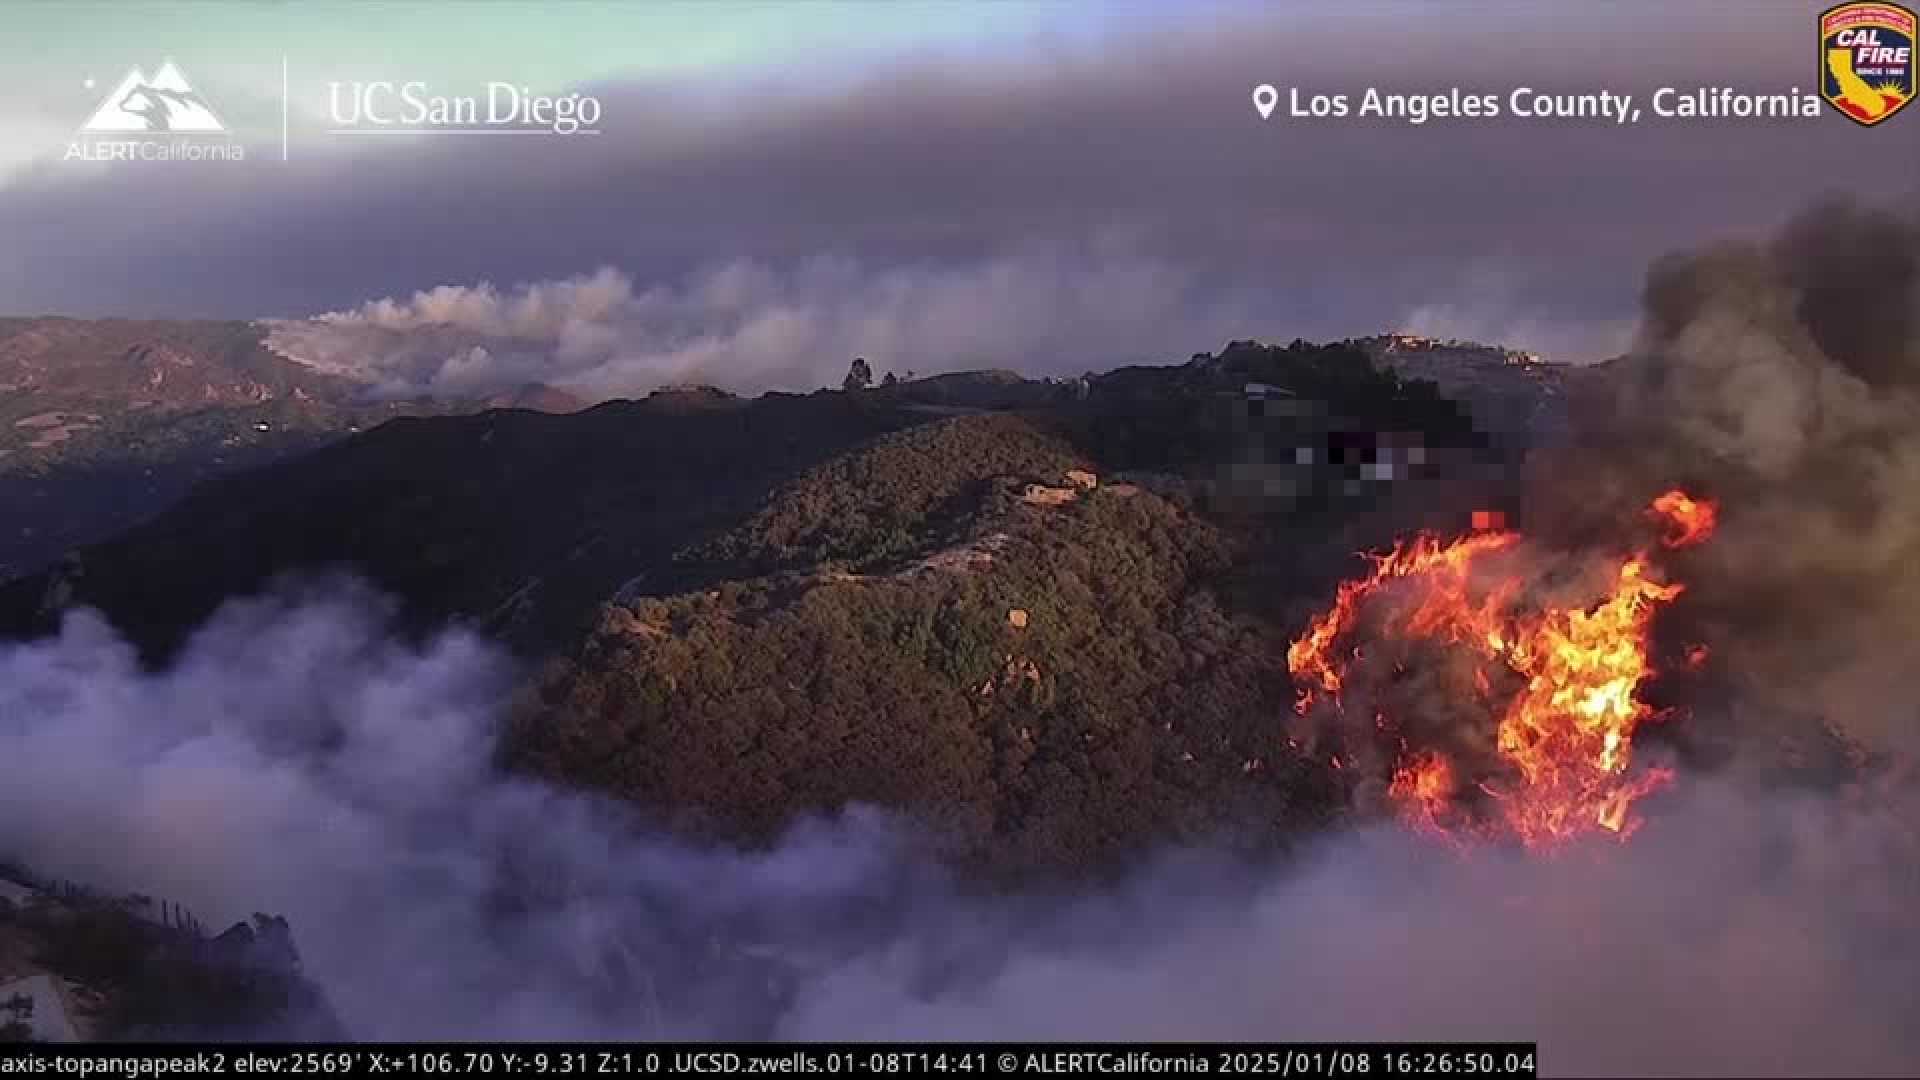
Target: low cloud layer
[299, 759]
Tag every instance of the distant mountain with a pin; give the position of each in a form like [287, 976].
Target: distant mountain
[998, 389]
[1515, 395]
[124, 364]
[104, 422]
[539, 397]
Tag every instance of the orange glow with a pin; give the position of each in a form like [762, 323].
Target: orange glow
[1563, 739]
[1423, 788]
[1425, 556]
[1690, 520]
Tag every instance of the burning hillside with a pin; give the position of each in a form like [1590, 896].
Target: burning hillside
[1498, 699]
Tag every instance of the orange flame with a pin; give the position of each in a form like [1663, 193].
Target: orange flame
[1691, 520]
[1424, 788]
[1424, 556]
[1565, 737]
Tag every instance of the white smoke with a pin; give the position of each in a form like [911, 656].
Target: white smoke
[1488, 302]
[299, 759]
[748, 326]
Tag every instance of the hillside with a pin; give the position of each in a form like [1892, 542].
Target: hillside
[1049, 617]
[523, 523]
[1037, 662]
[516, 521]
[104, 422]
[1057, 634]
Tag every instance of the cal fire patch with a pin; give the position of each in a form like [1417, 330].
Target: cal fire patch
[1867, 60]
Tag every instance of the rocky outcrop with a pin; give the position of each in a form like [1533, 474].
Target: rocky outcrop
[1042, 495]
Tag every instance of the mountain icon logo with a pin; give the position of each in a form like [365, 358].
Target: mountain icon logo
[164, 103]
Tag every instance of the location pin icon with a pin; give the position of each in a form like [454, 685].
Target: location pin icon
[1265, 97]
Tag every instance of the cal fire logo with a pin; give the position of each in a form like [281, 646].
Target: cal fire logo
[1867, 60]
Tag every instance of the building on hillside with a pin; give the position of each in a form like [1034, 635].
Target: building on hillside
[1398, 341]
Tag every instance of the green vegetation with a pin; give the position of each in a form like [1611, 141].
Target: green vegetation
[861, 509]
[1127, 705]
[1053, 682]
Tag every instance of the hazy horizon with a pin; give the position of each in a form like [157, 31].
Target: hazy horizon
[1088, 159]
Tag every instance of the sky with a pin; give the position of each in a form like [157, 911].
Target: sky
[1049, 185]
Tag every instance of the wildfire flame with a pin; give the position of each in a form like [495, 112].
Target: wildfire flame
[1691, 520]
[1426, 556]
[1565, 736]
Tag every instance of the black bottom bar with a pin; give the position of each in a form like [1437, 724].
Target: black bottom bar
[792, 1059]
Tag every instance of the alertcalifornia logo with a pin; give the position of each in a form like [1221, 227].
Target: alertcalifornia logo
[1867, 60]
[163, 118]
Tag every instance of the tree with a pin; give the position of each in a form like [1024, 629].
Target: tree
[859, 375]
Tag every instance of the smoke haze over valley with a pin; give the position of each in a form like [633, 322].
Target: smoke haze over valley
[746, 327]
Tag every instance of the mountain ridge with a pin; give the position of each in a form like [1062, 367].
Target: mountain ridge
[1044, 616]
[105, 421]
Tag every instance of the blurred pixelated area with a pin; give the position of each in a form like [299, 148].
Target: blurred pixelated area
[1305, 426]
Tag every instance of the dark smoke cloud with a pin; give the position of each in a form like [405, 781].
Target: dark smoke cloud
[937, 167]
[1783, 378]
[298, 759]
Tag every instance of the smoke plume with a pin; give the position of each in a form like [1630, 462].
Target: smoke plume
[750, 326]
[1782, 378]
